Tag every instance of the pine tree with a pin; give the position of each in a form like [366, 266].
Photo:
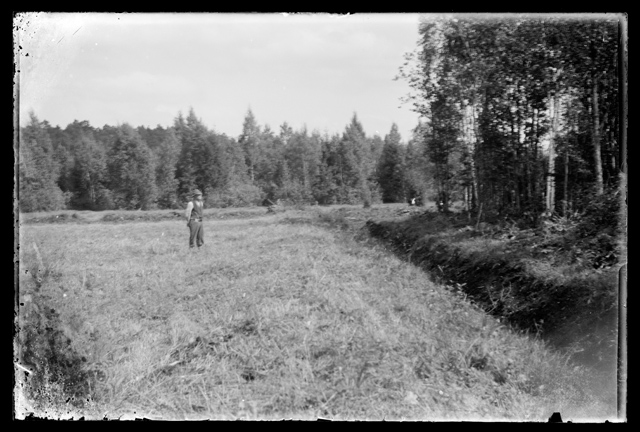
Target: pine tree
[417, 169]
[250, 142]
[89, 176]
[131, 171]
[168, 152]
[356, 165]
[38, 170]
[390, 173]
[197, 166]
[302, 154]
[326, 185]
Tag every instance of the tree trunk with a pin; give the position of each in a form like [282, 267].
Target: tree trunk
[518, 165]
[305, 181]
[566, 182]
[92, 193]
[596, 139]
[551, 181]
[534, 153]
[465, 195]
[472, 159]
[527, 173]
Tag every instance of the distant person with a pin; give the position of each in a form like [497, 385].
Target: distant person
[194, 214]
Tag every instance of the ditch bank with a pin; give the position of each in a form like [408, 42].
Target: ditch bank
[577, 315]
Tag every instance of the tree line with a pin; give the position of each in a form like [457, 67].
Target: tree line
[121, 167]
[520, 116]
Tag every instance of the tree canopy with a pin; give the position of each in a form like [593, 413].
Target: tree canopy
[502, 98]
[518, 117]
[87, 168]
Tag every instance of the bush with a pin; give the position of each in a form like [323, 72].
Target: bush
[597, 233]
[45, 199]
[104, 201]
[57, 375]
[168, 200]
[601, 215]
[47, 351]
[293, 196]
[237, 195]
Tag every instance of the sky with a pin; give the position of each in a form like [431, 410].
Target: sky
[313, 70]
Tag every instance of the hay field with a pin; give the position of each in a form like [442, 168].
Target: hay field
[276, 317]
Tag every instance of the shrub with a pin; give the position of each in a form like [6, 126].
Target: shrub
[57, 371]
[44, 199]
[596, 235]
[236, 195]
[47, 352]
[602, 214]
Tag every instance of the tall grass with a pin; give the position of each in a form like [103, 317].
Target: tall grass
[276, 317]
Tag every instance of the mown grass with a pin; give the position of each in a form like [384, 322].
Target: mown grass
[277, 317]
[87, 216]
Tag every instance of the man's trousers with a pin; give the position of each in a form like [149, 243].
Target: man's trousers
[196, 233]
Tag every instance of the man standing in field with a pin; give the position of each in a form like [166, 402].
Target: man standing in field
[194, 215]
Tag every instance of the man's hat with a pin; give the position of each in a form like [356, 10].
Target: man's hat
[197, 192]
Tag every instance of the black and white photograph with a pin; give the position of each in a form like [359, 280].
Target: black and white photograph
[320, 216]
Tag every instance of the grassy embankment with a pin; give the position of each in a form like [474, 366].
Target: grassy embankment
[279, 316]
[559, 280]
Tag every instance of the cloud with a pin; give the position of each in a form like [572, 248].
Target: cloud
[320, 39]
[144, 68]
[145, 83]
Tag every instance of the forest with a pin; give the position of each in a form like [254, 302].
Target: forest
[122, 167]
[519, 118]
